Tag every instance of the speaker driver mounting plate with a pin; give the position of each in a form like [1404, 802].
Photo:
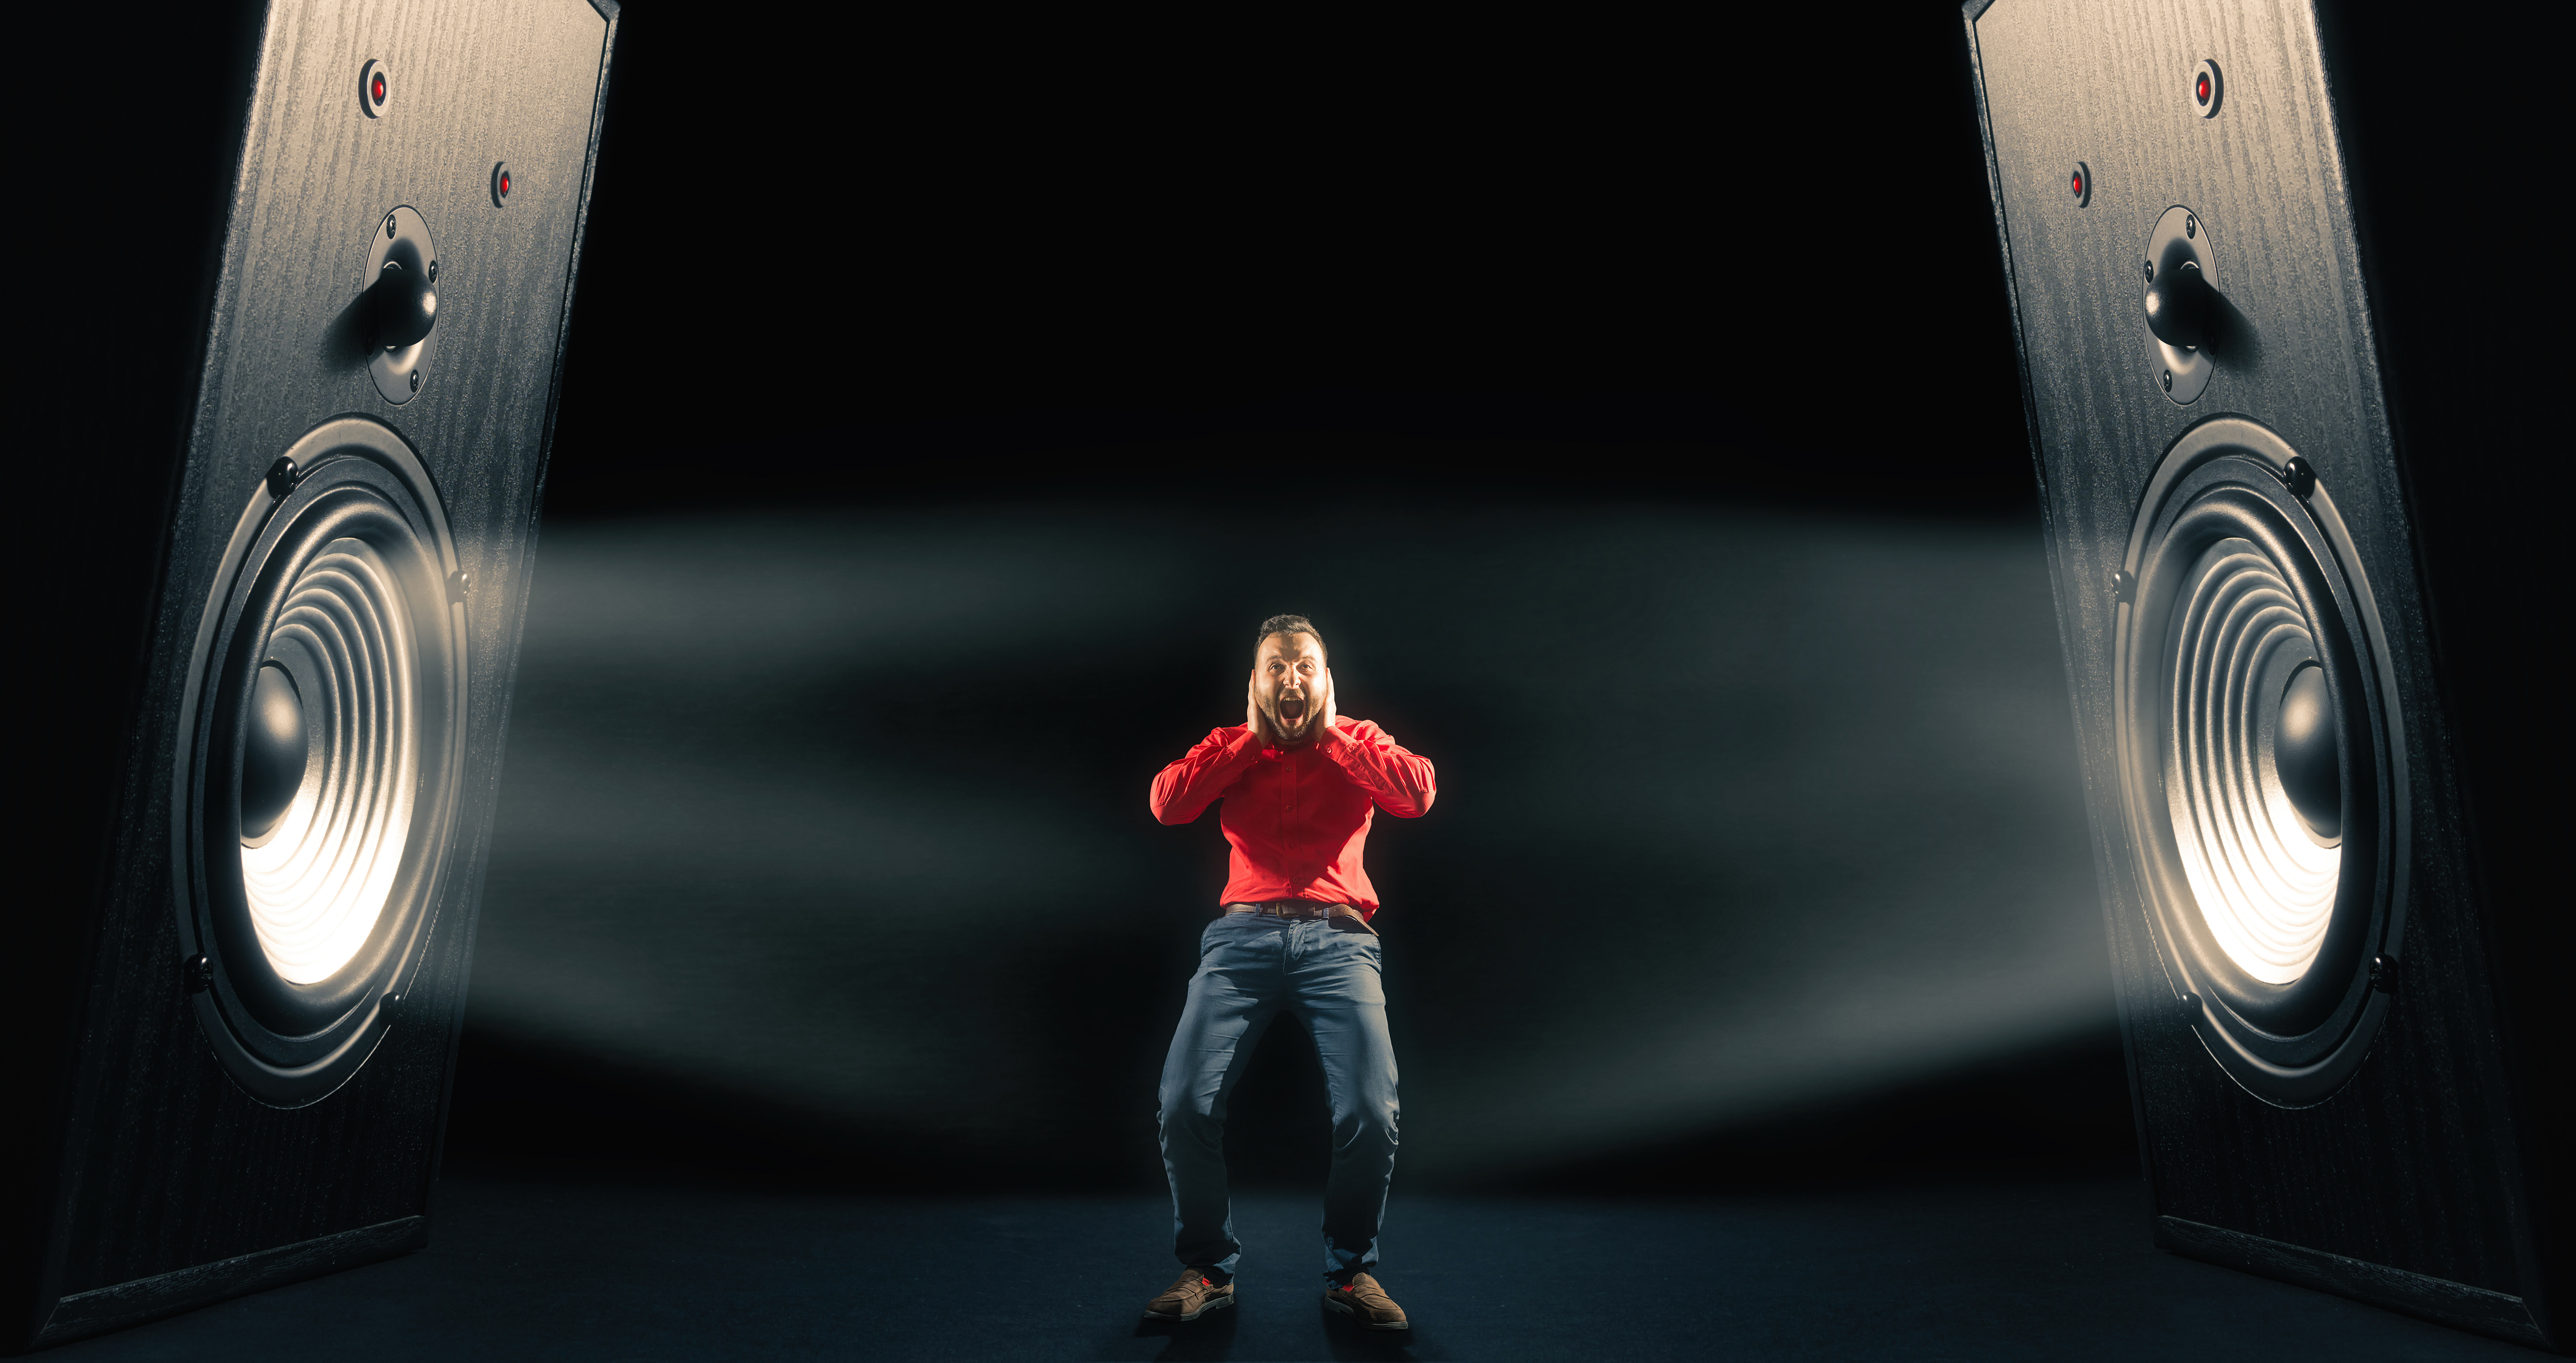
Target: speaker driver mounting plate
[401, 235]
[2180, 236]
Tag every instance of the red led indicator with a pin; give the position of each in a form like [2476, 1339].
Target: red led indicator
[2199, 89]
[2077, 184]
[379, 90]
[505, 184]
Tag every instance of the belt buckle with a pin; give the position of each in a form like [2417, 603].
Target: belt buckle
[1293, 908]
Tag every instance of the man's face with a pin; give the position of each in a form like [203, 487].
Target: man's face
[1288, 682]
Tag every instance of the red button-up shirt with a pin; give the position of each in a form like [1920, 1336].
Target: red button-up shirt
[1297, 817]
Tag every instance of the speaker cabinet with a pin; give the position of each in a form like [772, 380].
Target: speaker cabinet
[298, 282]
[2263, 261]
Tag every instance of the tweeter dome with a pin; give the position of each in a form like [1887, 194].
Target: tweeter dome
[297, 370]
[2280, 381]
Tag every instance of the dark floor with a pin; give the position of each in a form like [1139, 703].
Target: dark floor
[550, 1270]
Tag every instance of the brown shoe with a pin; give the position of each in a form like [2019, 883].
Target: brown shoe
[1192, 1297]
[1367, 1304]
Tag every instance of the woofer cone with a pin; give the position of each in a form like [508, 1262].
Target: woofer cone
[2261, 761]
[321, 740]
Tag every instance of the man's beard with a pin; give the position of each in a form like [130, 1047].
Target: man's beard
[1300, 724]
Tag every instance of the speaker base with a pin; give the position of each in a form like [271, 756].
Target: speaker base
[144, 1299]
[2457, 1305]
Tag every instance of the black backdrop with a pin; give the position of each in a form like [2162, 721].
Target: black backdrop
[846, 252]
[1525, 352]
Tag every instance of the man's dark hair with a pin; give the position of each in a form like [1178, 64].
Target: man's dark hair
[1288, 624]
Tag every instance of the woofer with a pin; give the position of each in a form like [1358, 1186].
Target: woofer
[322, 732]
[2261, 763]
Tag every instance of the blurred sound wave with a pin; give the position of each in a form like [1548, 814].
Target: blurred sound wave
[842, 813]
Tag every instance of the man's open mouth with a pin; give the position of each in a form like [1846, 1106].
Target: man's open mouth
[1292, 711]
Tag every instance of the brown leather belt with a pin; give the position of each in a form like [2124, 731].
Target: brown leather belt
[1302, 908]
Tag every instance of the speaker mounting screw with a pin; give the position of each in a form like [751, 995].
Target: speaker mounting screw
[2383, 975]
[2298, 477]
[392, 228]
[282, 478]
[392, 1001]
[457, 582]
[2151, 271]
[2124, 587]
[2191, 228]
[198, 973]
[433, 272]
[415, 380]
[2168, 380]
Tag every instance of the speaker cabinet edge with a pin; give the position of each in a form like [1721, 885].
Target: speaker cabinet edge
[2105, 856]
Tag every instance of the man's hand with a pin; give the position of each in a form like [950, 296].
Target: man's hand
[1332, 716]
[1263, 735]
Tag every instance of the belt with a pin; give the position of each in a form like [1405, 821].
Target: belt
[1301, 908]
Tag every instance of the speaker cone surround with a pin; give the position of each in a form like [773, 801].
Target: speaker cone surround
[322, 736]
[2261, 762]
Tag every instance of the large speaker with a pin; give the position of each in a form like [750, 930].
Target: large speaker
[294, 294]
[2270, 268]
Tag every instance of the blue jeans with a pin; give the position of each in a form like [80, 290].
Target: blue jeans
[1251, 966]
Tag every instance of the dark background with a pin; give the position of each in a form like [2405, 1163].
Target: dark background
[1628, 400]
[843, 257]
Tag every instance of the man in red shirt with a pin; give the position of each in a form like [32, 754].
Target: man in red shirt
[1301, 786]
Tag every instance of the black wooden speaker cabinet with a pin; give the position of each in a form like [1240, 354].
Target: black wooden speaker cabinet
[294, 285]
[2276, 275]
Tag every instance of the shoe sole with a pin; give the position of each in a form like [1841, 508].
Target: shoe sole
[1353, 1313]
[1212, 1304]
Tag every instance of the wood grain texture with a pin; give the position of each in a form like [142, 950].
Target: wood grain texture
[170, 1165]
[2405, 1167]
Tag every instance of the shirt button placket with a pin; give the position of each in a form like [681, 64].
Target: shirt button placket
[1288, 820]
[1292, 805]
